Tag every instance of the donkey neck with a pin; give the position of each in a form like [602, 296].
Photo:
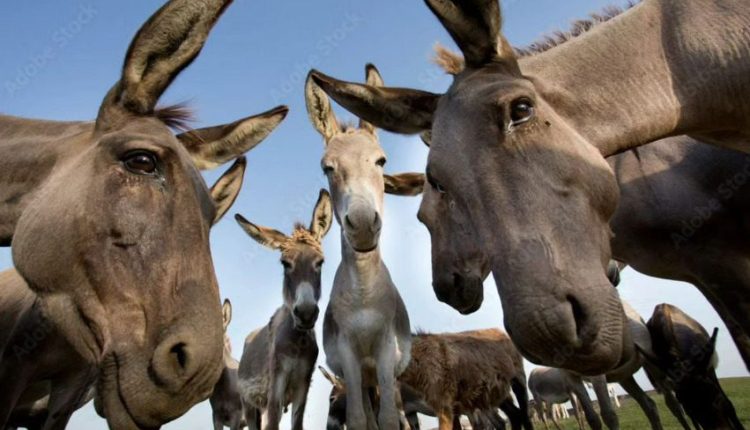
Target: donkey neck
[363, 268]
[650, 73]
[29, 152]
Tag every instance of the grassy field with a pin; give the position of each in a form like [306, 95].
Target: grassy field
[632, 418]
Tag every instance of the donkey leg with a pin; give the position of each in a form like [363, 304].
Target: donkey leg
[218, 423]
[299, 403]
[386, 368]
[13, 380]
[352, 369]
[585, 401]
[252, 417]
[518, 385]
[607, 410]
[644, 401]
[445, 419]
[274, 409]
[514, 414]
[676, 408]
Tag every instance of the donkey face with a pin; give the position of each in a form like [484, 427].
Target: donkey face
[302, 258]
[353, 162]
[116, 243]
[529, 185]
[686, 353]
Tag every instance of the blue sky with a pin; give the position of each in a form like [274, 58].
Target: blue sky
[60, 57]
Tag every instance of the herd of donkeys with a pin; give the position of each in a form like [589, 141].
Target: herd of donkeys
[113, 296]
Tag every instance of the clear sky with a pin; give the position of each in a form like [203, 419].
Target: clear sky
[60, 57]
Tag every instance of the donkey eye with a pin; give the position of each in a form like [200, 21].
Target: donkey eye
[318, 265]
[327, 169]
[287, 265]
[140, 162]
[521, 111]
[434, 184]
[381, 161]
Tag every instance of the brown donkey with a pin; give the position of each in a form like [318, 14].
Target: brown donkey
[366, 330]
[45, 378]
[279, 359]
[110, 221]
[226, 405]
[519, 147]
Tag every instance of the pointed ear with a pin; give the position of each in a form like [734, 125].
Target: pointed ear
[227, 188]
[404, 184]
[373, 79]
[322, 216]
[213, 146]
[613, 273]
[167, 43]
[268, 237]
[475, 27]
[394, 109]
[335, 381]
[706, 357]
[319, 110]
[226, 313]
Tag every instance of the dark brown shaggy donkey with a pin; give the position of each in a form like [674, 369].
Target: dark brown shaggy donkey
[466, 371]
[110, 221]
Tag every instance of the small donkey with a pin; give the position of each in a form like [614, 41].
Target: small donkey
[366, 330]
[225, 400]
[279, 359]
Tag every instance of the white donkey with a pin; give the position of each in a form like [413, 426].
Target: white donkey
[366, 330]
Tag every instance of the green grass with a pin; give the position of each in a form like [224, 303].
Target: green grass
[632, 418]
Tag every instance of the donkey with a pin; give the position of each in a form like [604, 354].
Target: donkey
[279, 359]
[226, 405]
[459, 373]
[550, 387]
[683, 348]
[109, 222]
[44, 376]
[519, 145]
[413, 404]
[366, 330]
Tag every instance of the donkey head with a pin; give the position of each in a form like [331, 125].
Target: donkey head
[353, 162]
[116, 243]
[529, 185]
[302, 258]
[336, 401]
[684, 351]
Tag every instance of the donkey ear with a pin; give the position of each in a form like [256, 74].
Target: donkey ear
[227, 188]
[322, 216]
[269, 237]
[226, 313]
[335, 381]
[394, 109]
[319, 110]
[705, 358]
[404, 184]
[373, 79]
[475, 27]
[213, 146]
[426, 137]
[167, 43]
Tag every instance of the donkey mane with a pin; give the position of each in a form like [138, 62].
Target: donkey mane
[177, 116]
[302, 235]
[453, 63]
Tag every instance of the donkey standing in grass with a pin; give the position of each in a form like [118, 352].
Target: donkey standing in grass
[686, 353]
[279, 359]
[366, 331]
[226, 404]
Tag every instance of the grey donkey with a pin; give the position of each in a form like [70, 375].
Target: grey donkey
[366, 330]
[279, 359]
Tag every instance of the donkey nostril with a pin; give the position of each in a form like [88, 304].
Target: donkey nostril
[376, 223]
[179, 355]
[348, 221]
[579, 315]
